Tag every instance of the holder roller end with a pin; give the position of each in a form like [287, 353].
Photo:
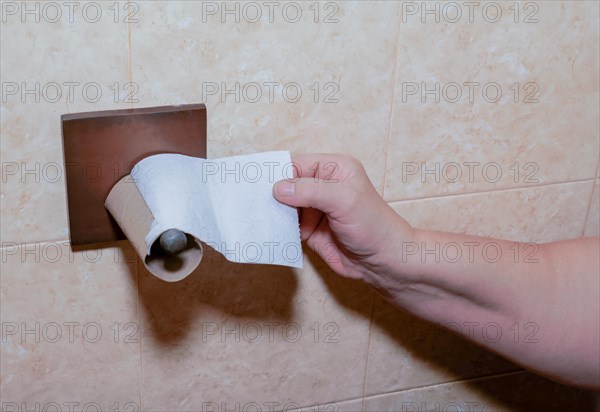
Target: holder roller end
[173, 241]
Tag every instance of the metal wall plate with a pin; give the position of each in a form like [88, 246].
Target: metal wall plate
[101, 147]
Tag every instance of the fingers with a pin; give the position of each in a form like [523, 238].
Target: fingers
[309, 192]
[309, 220]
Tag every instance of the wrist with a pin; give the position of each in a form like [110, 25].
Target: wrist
[394, 265]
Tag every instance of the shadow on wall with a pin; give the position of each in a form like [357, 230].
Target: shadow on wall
[445, 351]
[217, 289]
[220, 289]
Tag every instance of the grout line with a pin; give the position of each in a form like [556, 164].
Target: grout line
[479, 378]
[5, 245]
[325, 406]
[506, 189]
[383, 185]
[392, 104]
[381, 394]
[587, 216]
[371, 311]
[589, 207]
[139, 308]
[63, 242]
[129, 59]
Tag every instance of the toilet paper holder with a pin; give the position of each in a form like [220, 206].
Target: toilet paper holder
[101, 147]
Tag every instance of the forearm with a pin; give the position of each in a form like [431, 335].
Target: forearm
[536, 305]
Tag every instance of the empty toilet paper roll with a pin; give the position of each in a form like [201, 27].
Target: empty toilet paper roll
[126, 204]
[226, 203]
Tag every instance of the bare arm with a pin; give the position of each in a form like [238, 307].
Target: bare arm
[538, 306]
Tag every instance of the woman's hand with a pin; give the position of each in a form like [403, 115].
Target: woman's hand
[342, 217]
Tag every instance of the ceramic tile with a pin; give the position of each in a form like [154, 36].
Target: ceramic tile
[448, 140]
[235, 334]
[66, 62]
[593, 217]
[228, 335]
[70, 334]
[538, 214]
[406, 352]
[249, 74]
[521, 391]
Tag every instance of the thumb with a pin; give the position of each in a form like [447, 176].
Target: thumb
[326, 196]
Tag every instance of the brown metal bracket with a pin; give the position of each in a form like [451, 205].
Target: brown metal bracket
[101, 147]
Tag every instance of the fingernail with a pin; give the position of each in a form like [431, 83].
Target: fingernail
[285, 188]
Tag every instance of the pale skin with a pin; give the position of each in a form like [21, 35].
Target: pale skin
[539, 304]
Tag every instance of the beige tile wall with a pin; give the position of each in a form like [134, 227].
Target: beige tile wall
[93, 330]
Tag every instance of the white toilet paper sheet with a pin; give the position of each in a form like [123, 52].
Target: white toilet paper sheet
[227, 203]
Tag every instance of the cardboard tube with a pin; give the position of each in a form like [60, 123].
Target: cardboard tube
[127, 206]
